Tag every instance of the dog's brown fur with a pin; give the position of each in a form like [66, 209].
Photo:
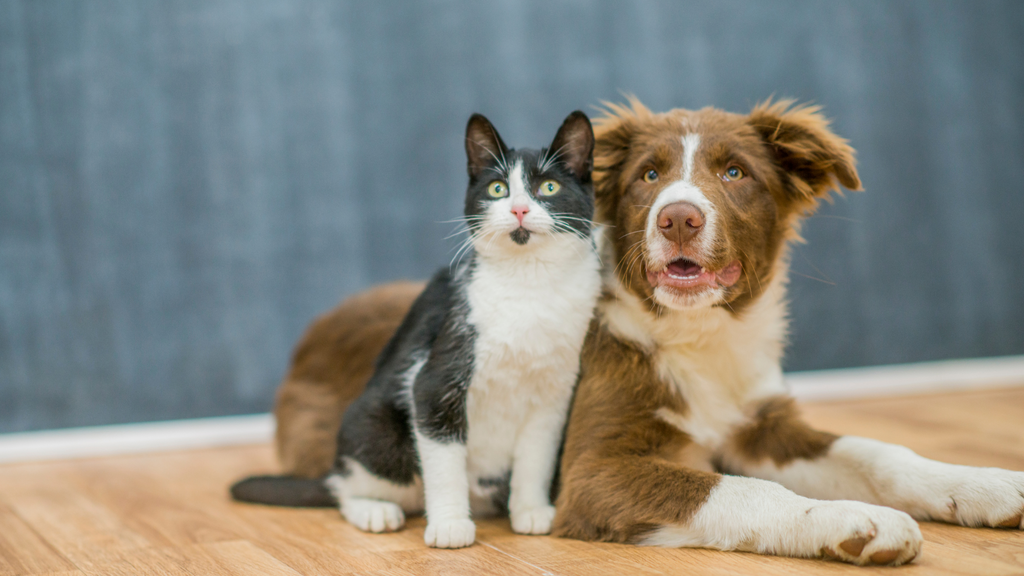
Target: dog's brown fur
[330, 367]
[625, 470]
[777, 432]
[616, 445]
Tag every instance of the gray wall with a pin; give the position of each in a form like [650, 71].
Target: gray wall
[183, 185]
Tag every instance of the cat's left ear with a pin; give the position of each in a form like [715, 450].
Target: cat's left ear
[483, 145]
[574, 145]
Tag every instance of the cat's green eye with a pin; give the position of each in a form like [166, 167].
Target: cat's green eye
[733, 173]
[651, 176]
[549, 188]
[497, 189]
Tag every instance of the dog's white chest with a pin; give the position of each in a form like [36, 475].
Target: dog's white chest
[717, 389]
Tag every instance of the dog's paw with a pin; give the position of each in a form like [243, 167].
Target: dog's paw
[450, 533]
[865, 534]
[373, 515]
[985, 497]
[534, 520]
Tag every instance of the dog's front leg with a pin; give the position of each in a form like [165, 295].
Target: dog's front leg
[758, 516]
[779, 446]
[648, 500]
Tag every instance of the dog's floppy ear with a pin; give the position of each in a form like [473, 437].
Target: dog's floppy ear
[614, 133]
[813, 158]
[483, 145]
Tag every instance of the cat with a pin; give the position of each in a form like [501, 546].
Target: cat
[465, 412]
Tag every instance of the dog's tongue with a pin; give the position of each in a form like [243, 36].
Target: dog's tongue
[691, 273]
[683, 268]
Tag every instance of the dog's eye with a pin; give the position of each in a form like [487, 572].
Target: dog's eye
[732, 174]
[549, 188]
[651, 176]
[497, 189]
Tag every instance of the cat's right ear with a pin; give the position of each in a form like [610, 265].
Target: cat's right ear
[484, 146]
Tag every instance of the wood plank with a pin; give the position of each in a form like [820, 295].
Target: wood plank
[238, 558]
[23, 551]
[81, 530]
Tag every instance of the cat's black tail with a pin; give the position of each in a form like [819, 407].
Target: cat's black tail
[284, 491]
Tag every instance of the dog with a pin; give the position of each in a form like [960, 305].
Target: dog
[682, 432]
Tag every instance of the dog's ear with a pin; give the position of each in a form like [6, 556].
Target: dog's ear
[614, 133]
[813, 159]
[484, 146]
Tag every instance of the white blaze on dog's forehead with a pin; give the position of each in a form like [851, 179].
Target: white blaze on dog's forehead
[690, 144]
[659, 250]
[517, 187]
[684, 190]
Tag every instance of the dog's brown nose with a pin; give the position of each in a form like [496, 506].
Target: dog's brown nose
[679, 222]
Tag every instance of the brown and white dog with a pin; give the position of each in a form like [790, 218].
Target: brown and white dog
[682, 432]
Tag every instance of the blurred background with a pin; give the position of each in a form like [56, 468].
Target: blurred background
[185, 185]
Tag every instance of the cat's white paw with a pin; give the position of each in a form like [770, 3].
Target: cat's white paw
[373, 515]
[863, 534]
[533, 520]
[984, 497]
[449, 533]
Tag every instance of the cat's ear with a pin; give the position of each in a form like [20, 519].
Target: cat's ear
[483, 145]
[573, 146]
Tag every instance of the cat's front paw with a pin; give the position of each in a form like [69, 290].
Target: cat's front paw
[373, 515]
[534, 520]
[450, 533]
[986, 497]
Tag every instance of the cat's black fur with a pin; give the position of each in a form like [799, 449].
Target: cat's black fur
[376, 429]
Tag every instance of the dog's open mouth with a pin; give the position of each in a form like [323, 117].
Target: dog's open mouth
[686, 274]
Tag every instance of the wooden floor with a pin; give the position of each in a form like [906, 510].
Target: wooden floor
[169, 514]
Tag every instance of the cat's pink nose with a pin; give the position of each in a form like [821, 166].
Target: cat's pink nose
[520, 212]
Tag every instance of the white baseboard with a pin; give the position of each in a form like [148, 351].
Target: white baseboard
[908, 379]
[136, 438]
[850, 383]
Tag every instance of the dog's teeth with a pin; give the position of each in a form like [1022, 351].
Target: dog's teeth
[702, 270]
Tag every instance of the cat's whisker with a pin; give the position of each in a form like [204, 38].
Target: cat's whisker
[563, 227]
[463, 249]
[568, 216]
[495, 234]
[501, 161]
[462, 219]
[575, 247]
[550, 159]
[458, 232]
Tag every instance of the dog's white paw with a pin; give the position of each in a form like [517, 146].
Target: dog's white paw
[449, 533]
[864, 534]
[534, 520]
[373, 515]
[984, 497]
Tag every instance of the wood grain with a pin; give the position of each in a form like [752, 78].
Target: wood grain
[169, 514]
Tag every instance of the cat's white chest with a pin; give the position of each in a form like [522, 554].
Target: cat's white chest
[530, 323]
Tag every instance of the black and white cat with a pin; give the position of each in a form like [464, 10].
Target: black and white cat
[465, 413]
